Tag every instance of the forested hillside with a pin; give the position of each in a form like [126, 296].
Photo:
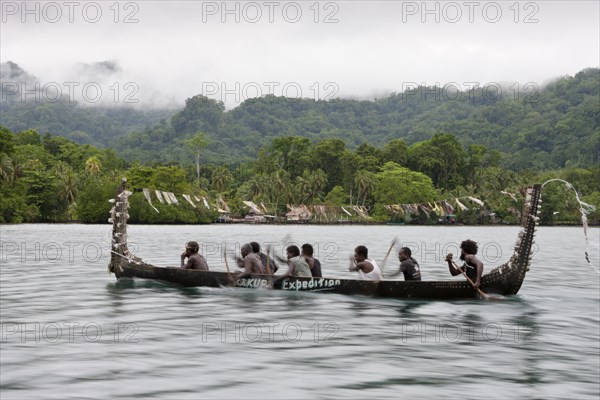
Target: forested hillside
[555, 126]
[98, 126]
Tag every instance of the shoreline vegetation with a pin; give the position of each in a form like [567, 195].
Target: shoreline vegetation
[52, 179]
[561, 224]
[402, 160]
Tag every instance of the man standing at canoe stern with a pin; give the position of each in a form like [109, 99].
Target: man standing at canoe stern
[473, 267]
[369, 270]
[408, 266]
[252, 263]
[195, 260]
[313, 263]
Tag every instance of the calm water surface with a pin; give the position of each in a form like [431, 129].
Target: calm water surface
[70, 330]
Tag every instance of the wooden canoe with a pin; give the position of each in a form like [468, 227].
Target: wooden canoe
[505, 279]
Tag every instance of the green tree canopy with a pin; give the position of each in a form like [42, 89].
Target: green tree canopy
[400, 185]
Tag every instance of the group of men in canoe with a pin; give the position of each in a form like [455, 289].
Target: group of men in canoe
[301, 263]
[255, 262]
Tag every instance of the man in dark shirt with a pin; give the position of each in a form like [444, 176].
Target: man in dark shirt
[195, 260]
[313, 263]
[408, 266]
[473, 267]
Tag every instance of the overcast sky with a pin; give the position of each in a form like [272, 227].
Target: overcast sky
[162, 52]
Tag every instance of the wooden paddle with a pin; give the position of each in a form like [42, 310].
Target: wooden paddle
[394, 241]
[268, 260]
[479, 291]
[226, 263]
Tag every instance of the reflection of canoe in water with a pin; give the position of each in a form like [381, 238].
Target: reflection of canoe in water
[505, 279]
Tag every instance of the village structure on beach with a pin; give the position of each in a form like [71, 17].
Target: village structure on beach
[441, 211]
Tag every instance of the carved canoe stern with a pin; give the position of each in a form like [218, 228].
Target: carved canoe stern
[510, 275]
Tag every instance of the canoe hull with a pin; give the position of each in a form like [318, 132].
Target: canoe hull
[396, 289]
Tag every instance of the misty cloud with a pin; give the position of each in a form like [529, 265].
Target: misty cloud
[12, 72]
[98, 70]
[161, 53]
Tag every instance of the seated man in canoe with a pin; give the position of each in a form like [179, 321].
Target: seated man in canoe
[313, 263]
[251, 263]
[297, 266]
[473, 267]
[408, 266]
[368, 269]
[195, 260]
[266, 260]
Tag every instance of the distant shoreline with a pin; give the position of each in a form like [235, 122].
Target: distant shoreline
[301, 224]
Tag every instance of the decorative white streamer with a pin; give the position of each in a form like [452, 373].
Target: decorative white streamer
[149, 199]
[189, 199]
[474, 200]
[585, 209]
[512, 196]
[173, 198]
[167, 198]
[461, 205]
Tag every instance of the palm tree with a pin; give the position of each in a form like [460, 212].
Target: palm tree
[280, 187]
[255, 187]
[365, 184]
[93, 165]
[303, 187]
[318, 181]
[67, 190]
[7, 169]
[221, 179]
[67, 187]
